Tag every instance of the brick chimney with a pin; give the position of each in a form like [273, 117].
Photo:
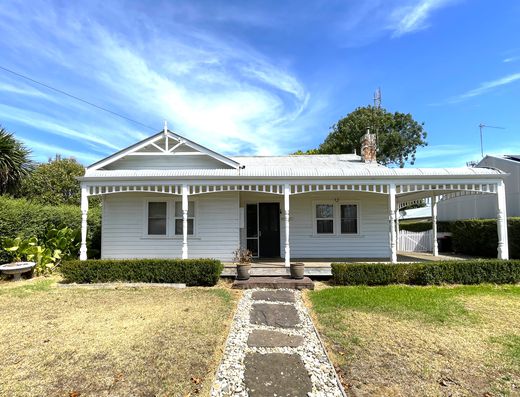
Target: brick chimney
[368, 147]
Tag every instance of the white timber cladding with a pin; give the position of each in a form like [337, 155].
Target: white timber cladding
[217, 227]
[371, 241]
[485, 206]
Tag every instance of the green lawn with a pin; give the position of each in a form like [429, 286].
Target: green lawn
[409, 341]
[110, 342]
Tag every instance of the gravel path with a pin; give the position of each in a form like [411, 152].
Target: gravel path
[274, 349]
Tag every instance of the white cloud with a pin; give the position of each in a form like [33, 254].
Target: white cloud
[44, 151]
[486, 87]
[217, 91]
[413, 17]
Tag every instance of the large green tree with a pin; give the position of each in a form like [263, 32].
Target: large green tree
[398, 135]
[54, 182]
[15, 162]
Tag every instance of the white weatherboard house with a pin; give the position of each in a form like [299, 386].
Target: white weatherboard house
[169, 197]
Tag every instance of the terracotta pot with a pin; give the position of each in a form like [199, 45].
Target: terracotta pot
[243, 271]
[297, 270]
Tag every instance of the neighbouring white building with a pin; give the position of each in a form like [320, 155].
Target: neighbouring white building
[484, 206]
[169, 197]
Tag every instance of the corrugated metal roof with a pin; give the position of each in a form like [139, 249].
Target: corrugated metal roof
[298, 166]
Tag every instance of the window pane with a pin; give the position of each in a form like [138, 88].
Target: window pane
[251, 219]
[252, 245]
[157, 210]
[157, 226]
[325, 226]
[348, 226]
[178, 227]
[178, 209]
[324, 211]
[349, 211]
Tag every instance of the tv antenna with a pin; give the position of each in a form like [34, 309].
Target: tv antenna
[481, 126]
[377, 98]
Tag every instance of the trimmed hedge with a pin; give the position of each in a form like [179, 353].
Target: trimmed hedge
[422, 226]
[205, 272]
[479, 237]
[26, 218]
[428, 273]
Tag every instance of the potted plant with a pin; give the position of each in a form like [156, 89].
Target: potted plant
[242, 257]
[297, 270]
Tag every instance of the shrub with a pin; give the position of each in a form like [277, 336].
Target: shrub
[205, 272]
[428, 273]
[479, 237]
[20, 217]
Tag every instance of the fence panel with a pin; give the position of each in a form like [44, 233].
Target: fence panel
[415, 241]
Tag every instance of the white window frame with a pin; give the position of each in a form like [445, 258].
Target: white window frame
[315, 218]
[145, 218]
[195, 217]
[336, 210]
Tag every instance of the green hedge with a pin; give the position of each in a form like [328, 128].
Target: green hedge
[204, 272]
[479, 237]
[428, 273]
[22, 217]
[422, 226]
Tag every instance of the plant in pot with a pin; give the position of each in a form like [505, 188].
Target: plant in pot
[242, 257]
[297, 270]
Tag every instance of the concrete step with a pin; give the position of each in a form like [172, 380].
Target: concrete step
[274, 283]
[231, 271]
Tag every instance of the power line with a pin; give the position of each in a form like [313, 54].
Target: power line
[76, 98]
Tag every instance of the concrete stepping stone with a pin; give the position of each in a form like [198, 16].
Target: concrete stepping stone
[264, 338]
[273, 296]
[276, 374]
[274, 315]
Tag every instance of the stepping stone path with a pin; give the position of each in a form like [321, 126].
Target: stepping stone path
[273, 349]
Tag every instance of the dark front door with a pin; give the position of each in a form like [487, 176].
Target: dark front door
[269, 228]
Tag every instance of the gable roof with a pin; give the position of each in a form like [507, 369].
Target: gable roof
[150, 143]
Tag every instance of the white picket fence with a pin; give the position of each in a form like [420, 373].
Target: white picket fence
[415, 241]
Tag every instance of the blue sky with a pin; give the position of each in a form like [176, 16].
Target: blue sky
[264, 77]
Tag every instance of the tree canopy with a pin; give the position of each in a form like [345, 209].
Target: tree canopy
[54, 182]
[15, 162]
[398, 135]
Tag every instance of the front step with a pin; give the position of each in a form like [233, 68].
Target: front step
[274, 283]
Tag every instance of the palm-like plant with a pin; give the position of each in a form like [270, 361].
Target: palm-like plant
[15, 163]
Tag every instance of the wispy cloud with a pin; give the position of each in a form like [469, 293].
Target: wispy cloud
[485, 87]
[218, 91]
[413, 17]
[511, 59]
[43, 151]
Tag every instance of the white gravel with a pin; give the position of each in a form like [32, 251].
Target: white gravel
[230, 375]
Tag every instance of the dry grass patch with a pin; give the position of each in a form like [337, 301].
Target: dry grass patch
[111, 342]
[423, 341]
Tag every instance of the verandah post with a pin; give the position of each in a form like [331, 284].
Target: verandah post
[286, 196]
[391, 207]
[84, 213]
[184, 221]
[503, 246]
[435, 245]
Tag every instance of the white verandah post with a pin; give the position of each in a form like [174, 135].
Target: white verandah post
[503, 246]
[391, 207]
[84, 213]
[397, 228]
[286, 200]
[185, 221]
[435, 245]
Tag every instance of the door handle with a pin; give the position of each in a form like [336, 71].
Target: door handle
[259, 233]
